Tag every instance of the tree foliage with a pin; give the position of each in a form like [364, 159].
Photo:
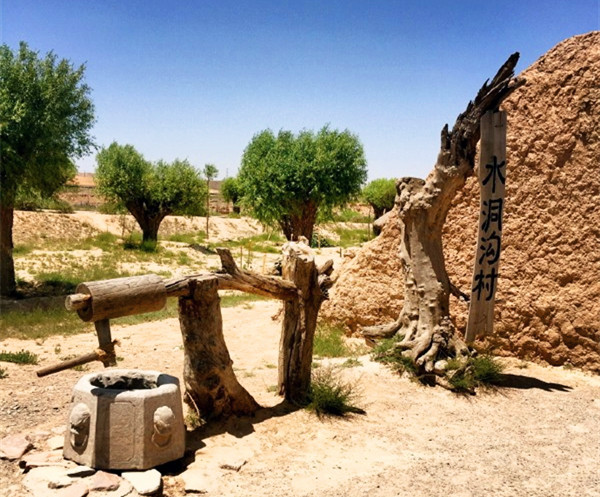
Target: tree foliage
[230, 189]
[380, 194]
[287, 179]
[46, 115]
[210, 172]
[150, 192]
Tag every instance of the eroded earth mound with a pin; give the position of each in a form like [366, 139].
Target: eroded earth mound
[548, 300]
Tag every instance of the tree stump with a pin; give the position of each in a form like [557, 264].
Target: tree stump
[211, 386]
[299, 322]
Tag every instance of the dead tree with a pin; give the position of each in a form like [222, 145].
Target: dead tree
[300, 319]
[424, 322]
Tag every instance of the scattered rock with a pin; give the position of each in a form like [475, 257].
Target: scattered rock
[80, 472]
[198, 481]
[38, 480]
[59, 430]
[56, 442]
[14, 447]
[77, 489]
[39, 459]
[39, 436]
[103, 481]
[145, 482]
[60, 481]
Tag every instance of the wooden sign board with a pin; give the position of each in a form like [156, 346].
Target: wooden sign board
[492, 177]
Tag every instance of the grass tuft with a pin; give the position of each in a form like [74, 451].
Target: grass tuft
[3, 373]
[352, 237]
[479, 371]
[331, 396]
[329, 342]
[388, 353]
[21, 357]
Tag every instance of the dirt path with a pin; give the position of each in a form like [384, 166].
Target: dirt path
[538, 437]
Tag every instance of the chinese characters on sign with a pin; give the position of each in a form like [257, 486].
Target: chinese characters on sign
[492, 178]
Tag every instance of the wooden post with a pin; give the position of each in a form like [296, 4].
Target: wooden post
[492, 177]
[211, 386]
[299, 322]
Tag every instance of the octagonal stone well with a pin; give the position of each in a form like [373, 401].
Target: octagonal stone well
[125, 419]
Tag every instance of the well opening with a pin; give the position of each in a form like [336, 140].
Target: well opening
[124, 382]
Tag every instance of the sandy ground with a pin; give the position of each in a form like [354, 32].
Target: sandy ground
[540, 436]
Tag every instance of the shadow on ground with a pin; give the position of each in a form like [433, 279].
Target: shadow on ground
[239, 427]
[527, 382]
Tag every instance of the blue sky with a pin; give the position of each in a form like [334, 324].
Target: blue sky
[197, 79]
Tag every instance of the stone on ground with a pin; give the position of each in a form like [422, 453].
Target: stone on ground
[145, 482]
[14, 447]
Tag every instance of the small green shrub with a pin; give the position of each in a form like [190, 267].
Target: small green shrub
[105, 240]
[388, 353]
[319, 241]
[60, 282]
[486, 370]
[22, 249]
[149, 246]
[3, 373]
[350, 216]
[330, 395]
[30, 201]
[329, 342]
[352, 362]
[479, 371]
[353, 237]
[190, 238]
[21, 357]
[192, 420]
[41, 324]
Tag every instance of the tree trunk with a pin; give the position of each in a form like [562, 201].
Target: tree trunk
[207, 206]
[8, 284]
[424, 322]
[211, 386]
[296, 225]
[150, 227]
[148, 220]
[299, 322]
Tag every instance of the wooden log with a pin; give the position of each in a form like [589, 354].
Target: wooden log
[96, 355]
[299, 323]
[251, 282]
[122, 297]
[77, 301]
[211, 386]
[71, 363]
[235, 279]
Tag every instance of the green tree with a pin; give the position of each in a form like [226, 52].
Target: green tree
[380, 194]
[150, 192]
[287, 179]
[46, 115]
[230, 189]
[210, 172]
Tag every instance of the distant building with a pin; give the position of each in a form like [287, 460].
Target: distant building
[81, 192]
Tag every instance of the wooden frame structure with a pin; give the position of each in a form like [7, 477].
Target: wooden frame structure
[211, 386]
